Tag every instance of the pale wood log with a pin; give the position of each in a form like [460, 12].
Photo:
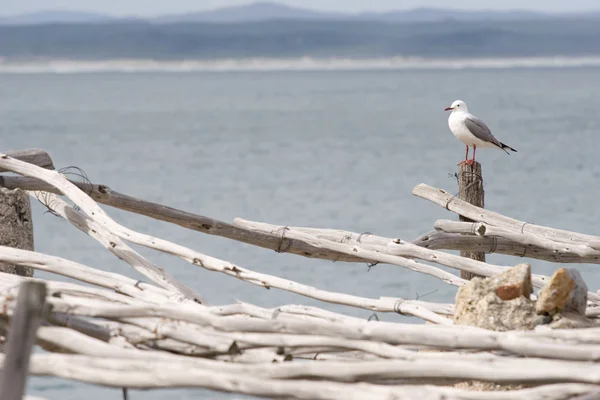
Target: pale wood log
[144, 375]
[527, 239]
[451, 203]
[96, 213]
[37, 157]
[355, 249]
[438, 240]
[451, 337]
[116, 246]
[398, 249]
[21, 338]
[105, 195]
[120, 283]
[140, 337]
[61, 266]
[211, 341]
[547, 370]
[89, 328]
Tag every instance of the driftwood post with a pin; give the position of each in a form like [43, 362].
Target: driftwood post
[470, 189]
[21, 337]
[16, 224]
[16, 228]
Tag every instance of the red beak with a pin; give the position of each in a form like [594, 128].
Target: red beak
[449, 109]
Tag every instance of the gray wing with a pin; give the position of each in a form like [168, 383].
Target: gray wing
[480, 130]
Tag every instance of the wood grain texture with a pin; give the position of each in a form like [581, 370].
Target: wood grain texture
[21, 337]
[470, 189]
[37, 157]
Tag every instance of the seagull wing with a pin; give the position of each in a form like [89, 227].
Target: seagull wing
[480, 130]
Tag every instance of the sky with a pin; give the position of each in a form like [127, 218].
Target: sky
[161, 7]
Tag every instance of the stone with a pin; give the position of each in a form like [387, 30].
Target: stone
[499, 303]
[566, 290]
[514, 283]
[571, 320]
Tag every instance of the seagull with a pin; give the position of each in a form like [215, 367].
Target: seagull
[471, 130]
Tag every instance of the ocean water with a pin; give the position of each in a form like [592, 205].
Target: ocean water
[331, 149]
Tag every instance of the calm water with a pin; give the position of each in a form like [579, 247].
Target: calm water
[321, 149]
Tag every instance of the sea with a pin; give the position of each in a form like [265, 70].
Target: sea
[304, 144]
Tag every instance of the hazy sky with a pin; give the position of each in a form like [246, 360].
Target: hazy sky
[149, 7]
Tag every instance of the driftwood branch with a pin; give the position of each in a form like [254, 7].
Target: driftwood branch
[132, 374]
[32, 156]
[124, 333]
[433, 240]
[21, 337]
[450, 202]
[116, 246]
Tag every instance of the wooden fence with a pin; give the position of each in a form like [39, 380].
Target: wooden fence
[160, 333]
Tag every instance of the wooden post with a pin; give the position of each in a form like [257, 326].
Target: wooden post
[21, 336]
[470, 189]
[16, 225]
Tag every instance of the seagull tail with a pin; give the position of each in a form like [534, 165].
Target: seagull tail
[504, 147]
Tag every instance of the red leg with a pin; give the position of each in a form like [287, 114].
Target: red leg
[466, 156]
[470, 162]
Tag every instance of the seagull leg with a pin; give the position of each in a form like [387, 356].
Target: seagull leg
[472, 161]
[466, 161]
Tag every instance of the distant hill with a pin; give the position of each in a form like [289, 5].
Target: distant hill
[442, 14]
[284, 39]
[270, 11]
[261, 11]
[53, 17]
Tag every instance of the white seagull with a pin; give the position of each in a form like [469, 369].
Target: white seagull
[471, 130]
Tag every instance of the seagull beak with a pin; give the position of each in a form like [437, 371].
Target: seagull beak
[449, 109]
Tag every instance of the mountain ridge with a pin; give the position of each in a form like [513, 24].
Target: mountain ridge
[269, 11]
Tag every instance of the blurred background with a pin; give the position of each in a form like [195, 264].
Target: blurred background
[302, 113]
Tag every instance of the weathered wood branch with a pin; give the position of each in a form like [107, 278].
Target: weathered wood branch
[451, 203]
[116, 246]
[94, 212]
[21, 337]
[526, 239]
[528, 344]
[396, 251]
[439, 240]
[434, 241]
[37, 157]
[135, 374]
[104, 195]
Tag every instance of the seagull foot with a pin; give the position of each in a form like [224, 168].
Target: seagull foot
[470, 162]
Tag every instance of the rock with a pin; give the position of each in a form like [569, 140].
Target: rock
[565, 290]
[481, 302]
[571, 320]
[514, 283]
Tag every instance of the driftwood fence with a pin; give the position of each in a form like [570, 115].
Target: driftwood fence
[159, 333]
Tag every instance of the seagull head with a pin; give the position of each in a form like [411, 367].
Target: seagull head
[457, 106]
